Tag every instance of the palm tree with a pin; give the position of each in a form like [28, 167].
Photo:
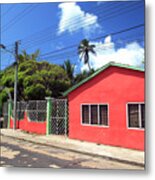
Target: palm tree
[69, 68]
[84, 74]
[84, 49]
[24, 56]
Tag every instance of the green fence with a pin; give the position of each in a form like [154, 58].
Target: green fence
[53, 111]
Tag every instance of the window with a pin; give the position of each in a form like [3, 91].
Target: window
[103, 115]
[143, 115]
[95, 114]
[85, 114]
[136, 115]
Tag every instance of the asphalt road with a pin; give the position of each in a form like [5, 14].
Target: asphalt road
[18, 153]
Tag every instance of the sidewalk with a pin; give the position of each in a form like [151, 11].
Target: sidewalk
[109, 152]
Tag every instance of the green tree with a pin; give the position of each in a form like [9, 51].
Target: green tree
[69, 68]
[24, 56]
[84, 74]
[6, 85]
[84, 49]
[40, 79]
[36, 80]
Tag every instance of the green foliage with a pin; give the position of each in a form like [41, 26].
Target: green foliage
[37, 91]
[26, 57]
[36, 80]
[7, 77]
[3, 98]
[69, 68]
[79, 77]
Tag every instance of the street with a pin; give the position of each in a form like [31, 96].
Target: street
[18, 153]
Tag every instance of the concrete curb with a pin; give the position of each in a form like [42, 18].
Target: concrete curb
[78, 151]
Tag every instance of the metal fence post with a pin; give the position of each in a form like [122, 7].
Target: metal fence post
[66, 118]
[48, 115]
[9, 112]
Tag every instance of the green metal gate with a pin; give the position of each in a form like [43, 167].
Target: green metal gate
[59, 116]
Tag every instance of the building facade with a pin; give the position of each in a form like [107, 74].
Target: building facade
[108, 107]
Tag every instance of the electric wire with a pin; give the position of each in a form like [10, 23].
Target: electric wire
[59, 58]
[18, 17]
[46, 39]
[100, 37]
[7, 11]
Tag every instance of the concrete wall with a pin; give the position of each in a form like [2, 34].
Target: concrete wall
[29, 126]
[116, 87]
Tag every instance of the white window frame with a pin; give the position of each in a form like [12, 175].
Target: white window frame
[89, 107]
[139, 112]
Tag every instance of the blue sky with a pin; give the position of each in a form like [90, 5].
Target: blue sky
[57, 28]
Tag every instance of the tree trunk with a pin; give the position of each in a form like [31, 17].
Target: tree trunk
[89, 66]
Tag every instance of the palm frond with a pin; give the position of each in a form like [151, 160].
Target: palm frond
[83, 49]
[92, 51]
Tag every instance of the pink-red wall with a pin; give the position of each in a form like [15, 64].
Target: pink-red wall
[116, 87]
[29, 126]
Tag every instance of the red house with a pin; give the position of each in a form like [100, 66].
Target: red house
[108, 107]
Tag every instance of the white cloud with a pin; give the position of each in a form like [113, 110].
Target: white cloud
[73, 18]
[107, 39]
[131, 54]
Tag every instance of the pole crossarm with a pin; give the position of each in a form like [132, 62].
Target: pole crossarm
[2, 46]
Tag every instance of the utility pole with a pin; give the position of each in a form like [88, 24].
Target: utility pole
[15, 83]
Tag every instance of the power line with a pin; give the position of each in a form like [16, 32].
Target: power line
[43, 39]
[65, 55]
[36, 34]
[65, 48]
[66, 21]
[59, 58]
[46, 38]
[46, 29]
[75, 22]
[18, 17]
[103, 36]
[8, 10]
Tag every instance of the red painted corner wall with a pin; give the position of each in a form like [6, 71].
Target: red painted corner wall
[116, 87]
[29, 126]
